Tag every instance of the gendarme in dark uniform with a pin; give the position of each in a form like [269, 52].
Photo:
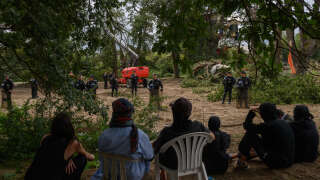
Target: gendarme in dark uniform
[80, 85]
[243, 85]
[114, 85]
[134, 84]
[228, 83]
[7, 86]
[154, 86]
[106, 79]
[34, 88]
[92, 86]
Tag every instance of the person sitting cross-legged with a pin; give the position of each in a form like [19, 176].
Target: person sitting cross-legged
[215, 158]
[273, 141]
[306, 135]
[181, 110]
[124, 138]
[54, 159]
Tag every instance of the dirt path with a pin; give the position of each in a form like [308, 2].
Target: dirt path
[202, 110]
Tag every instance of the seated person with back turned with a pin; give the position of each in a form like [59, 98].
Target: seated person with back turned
[275, 147]
[181, 110]
[124, 138]
[54, 159]
[215, 158]
[306, 135]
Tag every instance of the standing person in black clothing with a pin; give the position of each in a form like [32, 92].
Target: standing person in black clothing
[273, 141]
[154, 86]
[114, 85]
[134, 84]
[228, 83]
[34, 88]
[306, 135]
[181, 111]
[61, 155]
[7, 87]
[106, 79]
[243, 85]
[215, 158]
[92, 86]
[80, 85]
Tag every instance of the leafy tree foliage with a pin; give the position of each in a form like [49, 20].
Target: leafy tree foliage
[45, 37]
[265, 22]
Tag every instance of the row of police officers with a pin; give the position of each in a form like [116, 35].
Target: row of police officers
[242, 84]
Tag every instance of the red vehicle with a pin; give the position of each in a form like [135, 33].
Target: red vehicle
[141, 72]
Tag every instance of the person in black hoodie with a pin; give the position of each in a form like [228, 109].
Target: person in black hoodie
[273, 141]
[181, 110]
[215, 158]
[306, 135]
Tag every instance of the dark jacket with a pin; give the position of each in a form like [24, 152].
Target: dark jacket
[278, 142]
[244, 83]
[80, 85]
[134, 80]
[307, 140]
[155, 84]
[106, 77]
[229, 82]
[215, 158]
[114, 83]
[7, 85]
[92, 86]
[169, 158]
[34, 84]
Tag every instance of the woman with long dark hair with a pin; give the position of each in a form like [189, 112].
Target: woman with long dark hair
[54, 159]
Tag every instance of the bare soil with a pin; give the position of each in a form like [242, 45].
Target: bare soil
[202, 110]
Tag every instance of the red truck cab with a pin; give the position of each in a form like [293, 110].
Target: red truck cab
[141, 72]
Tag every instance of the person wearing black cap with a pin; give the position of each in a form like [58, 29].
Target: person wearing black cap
[7, 87]
[114, 85]
[124, 138]
[273, 141]
[134, 84]
[92, 86]
[181, 111]
[306, 135]
[215, 158]
[243, 85]
[228, 83]
[154, 86]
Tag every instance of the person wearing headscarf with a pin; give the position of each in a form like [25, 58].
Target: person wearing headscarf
[215, 158]
[273, 140]
[181, 111]
[124, 138]
[306, 135]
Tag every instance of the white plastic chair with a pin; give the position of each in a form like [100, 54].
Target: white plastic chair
[189, 148]
[117, 161]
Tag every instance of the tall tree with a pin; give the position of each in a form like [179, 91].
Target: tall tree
[180, 25]
[43, 37]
